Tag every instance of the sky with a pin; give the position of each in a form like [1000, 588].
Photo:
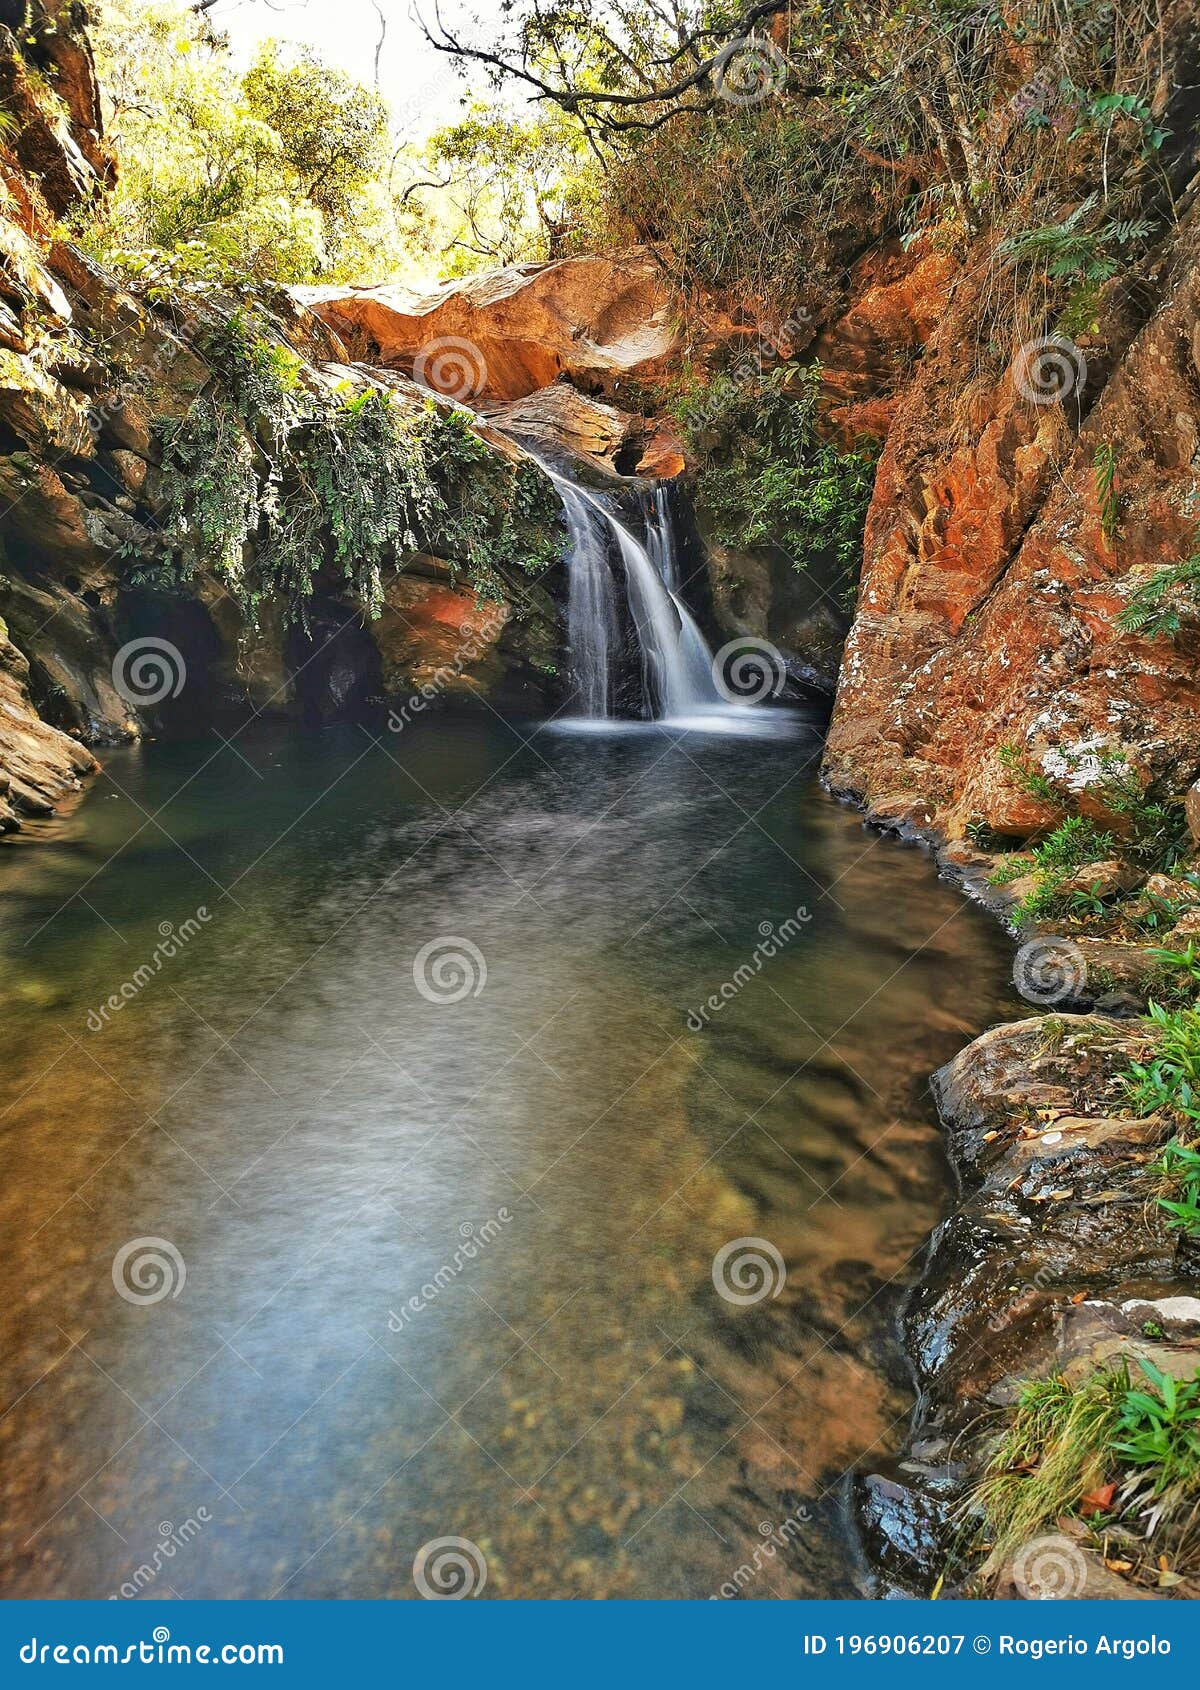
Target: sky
[421, 85]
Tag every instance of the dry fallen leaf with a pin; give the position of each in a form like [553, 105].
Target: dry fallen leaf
[1099, 1499]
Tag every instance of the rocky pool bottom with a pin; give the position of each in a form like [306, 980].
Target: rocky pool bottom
[394, 1200]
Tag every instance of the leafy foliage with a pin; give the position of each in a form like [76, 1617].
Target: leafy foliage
[271, 483]
[1170, 1079]
[1159, 1430]
[521, 186]
[767, 476]
[1103, 1448]
[1075, 842]
[277, 171]
[1178, 1169]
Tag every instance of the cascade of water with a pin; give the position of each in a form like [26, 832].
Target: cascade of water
[592, 628]
[660, 535]
[676, 660]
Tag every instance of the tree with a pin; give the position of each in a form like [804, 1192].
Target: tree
[520, 184]
[273, 173]
[332, 131]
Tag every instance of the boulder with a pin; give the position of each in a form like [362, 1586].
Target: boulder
[503, 334]
[565, 420]
[39, 766]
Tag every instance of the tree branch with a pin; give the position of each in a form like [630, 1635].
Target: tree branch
[604, 102]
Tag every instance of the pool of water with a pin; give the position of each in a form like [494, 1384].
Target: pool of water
[385, 1119]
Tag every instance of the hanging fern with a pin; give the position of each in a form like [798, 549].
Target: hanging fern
[1160, 604]
[1070, 250]
[305, 479]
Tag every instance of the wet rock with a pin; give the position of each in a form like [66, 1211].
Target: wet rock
[1054, 1262]
[902, 1515]
[760, 595]
[39, 766]
[1011, 1072]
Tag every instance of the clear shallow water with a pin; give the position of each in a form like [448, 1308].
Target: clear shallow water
[318, 1140]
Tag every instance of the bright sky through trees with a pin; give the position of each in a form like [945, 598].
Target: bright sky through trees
[420, 85]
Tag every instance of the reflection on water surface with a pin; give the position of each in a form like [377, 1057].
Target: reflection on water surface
[445, 1241]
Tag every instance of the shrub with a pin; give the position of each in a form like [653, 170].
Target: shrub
[766, 475]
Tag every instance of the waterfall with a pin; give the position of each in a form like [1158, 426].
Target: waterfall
[660, 536]
[593, 631]
[676, 660]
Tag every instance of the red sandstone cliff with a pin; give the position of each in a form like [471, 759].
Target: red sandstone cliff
[992, 577]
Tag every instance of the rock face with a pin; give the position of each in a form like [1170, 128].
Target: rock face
[1054, 1262]
[39, 765]
[507, 333]
[561, 418]
[995, 569]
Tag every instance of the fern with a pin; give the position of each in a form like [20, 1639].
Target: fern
[1159, 604]
[1104, 463]
[1069, 250]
